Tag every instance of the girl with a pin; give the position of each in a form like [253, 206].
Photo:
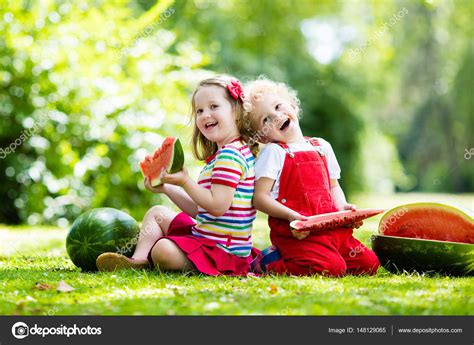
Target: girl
[297, 177]
[213, 233]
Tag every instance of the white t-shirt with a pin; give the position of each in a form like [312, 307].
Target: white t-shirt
[270, 161]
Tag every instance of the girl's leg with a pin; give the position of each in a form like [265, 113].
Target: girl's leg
[155, 225]
[168, 256]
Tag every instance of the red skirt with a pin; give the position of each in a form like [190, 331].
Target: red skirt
[204, 253]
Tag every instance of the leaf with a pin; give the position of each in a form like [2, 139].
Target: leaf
[27, 299]
[43, 286]
[63, 287]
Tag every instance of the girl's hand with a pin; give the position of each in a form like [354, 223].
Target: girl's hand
[157, 189]
[300, 235]
[179, 179]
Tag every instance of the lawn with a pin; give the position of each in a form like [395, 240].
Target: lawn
[32, 255]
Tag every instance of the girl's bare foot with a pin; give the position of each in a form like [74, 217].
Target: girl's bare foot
[109, 262]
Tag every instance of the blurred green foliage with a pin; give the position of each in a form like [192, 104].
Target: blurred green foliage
[108, 98]
[97, 84]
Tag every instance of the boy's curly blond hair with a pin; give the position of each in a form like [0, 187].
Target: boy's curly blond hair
[254, 92]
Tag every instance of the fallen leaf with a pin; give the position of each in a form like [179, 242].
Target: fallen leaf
[273, 289]
[43, 286]
[63, 287]
[25, 300]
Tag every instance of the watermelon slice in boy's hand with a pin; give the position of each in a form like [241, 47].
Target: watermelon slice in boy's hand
[169, 156]
[327, 221]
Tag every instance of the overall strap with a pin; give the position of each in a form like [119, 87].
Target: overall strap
[317, 145]
[286, 148]
[313, 141]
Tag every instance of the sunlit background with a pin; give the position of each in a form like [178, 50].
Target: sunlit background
[88, 88]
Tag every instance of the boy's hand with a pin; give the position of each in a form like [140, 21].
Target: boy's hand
[157, 189]
[179, 179]
[300, 235]
[347, 207]
[352, 207]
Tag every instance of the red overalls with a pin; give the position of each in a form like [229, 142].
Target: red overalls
[305, 188]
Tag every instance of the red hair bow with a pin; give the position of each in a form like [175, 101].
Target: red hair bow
[235, 89]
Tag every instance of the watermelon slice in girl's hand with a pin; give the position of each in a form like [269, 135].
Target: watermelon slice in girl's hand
[327, 221]
[169, 156]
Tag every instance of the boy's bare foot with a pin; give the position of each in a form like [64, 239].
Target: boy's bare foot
[109, 262]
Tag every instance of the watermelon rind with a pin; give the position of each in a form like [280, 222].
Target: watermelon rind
[177, 158]
[98, 231]
[156, 182]
[401, 254]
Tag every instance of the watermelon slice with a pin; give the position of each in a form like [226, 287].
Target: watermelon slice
[327, 221]
[169, 156]
[426, 238]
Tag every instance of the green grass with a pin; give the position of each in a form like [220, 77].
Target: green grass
[31, 255]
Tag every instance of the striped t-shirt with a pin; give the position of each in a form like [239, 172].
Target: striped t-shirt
[231, 166]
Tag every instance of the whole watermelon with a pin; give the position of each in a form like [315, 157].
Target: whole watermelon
[98, 231]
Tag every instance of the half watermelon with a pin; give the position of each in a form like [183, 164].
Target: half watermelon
[169, 156]
[426, 238]
[327, 221]
[399, 254]
[429, 221]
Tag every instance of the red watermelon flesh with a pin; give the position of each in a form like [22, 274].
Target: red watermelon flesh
[429, 221]
[327, 221]
[169, 156]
